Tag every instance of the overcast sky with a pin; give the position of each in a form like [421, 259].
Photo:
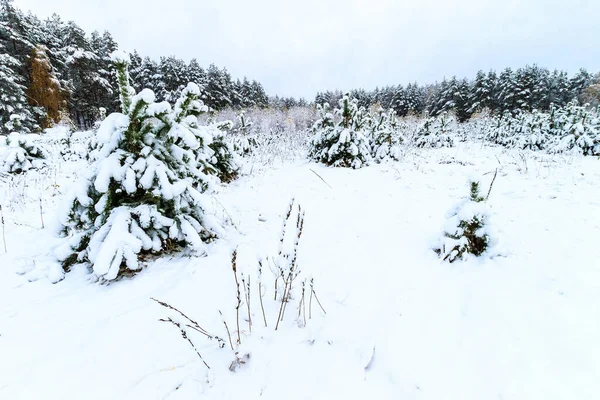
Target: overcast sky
[296, 48]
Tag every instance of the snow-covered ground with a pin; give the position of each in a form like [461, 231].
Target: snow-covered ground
[399, 323]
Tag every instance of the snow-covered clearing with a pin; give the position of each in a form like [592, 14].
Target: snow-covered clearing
[399, 325]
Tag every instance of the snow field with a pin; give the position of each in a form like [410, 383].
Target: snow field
[399, 323]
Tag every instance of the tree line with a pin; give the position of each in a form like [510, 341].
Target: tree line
[51, 70]
[524, 89]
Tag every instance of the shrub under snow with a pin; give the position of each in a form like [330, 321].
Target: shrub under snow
[467, 230]
[386, 139]
[579, 130]
[144, 192]
[571, 128]
[22, 154]
[244, 141]
[436, 132]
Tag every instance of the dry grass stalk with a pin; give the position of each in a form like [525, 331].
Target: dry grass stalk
[239, 295]
[42, 213]
[185, 336]
[320, 177]
[491, 185]
[227, 329]
[260, 295]
[3, 231]
[302, 304]
[312, 289]
[247, 296]
[192, 324]
[292, 270]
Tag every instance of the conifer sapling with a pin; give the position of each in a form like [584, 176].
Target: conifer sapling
[343, 144]
[467, 230]
[144, 192]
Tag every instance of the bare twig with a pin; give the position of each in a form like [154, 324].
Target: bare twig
[247, 296]
[3, 232]
[41, 213]
[260, 295]
[310, 302]
[320, 177]
[491, 185]
[312, 288]
[302, 304]
[283, 299]
[288, 285]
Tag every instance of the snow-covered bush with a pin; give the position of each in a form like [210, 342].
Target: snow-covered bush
[342, 143]
[467, 230]
[479, 125]
[21, 154]
[500, 130]
[578, 129]
[63, 143]
[561, 129]
[534, 131]
[436, 132]
[144, 192]
[386, 138]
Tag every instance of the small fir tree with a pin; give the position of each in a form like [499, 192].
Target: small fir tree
[386, 137]
[437, 132]
[225, 161]
[244, 141]
[144, 192]
[503, 130]
[578, 130]
[344, 143]
[535, 132]
[467, 229]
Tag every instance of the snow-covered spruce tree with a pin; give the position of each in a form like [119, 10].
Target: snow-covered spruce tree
[323, 127]
[13, 100]
[144, 193]
[503, 130]
[467, 230]
[244, 142]
[386, 138]
[343, 144]
[225, 161]
[437, 132]
[22, 154]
